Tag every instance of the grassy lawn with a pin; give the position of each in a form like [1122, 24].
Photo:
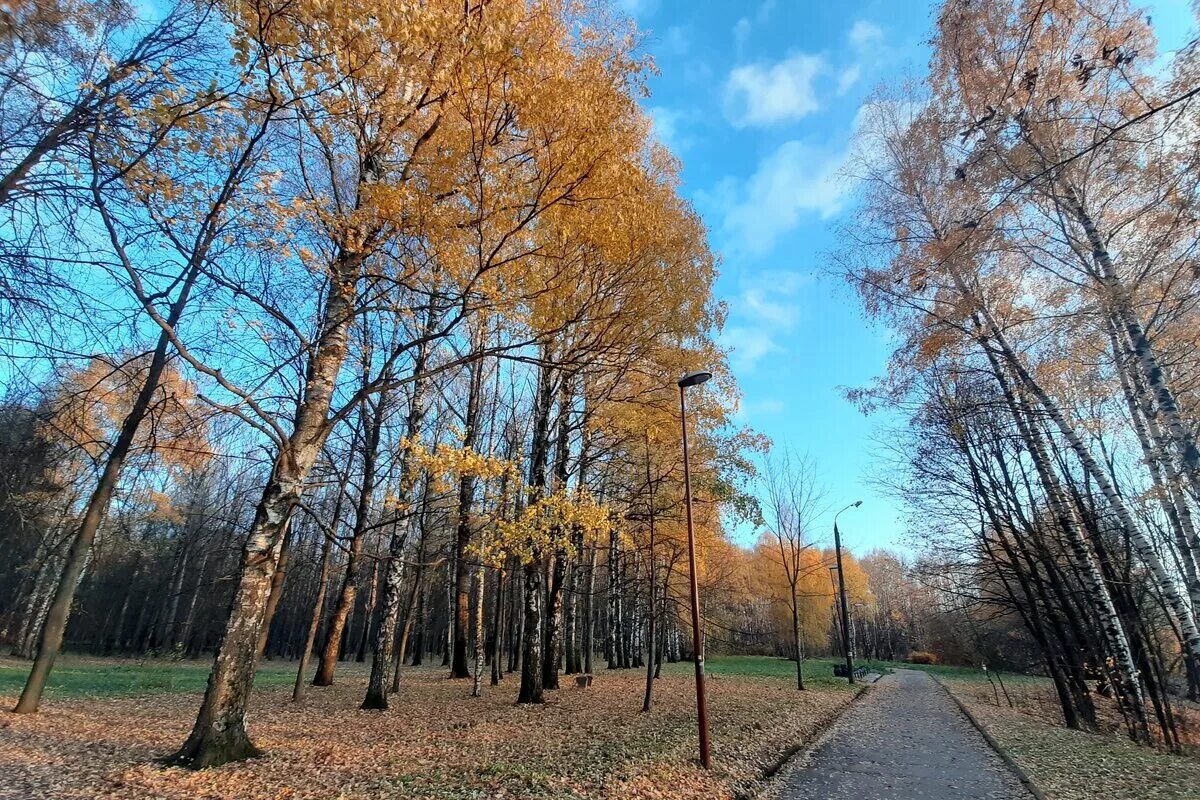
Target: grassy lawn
[105, 722]
[818, 672]
[81, 677]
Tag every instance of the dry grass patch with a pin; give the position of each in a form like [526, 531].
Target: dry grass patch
[1072, 765]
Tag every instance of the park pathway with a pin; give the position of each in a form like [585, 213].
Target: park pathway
[905, 739]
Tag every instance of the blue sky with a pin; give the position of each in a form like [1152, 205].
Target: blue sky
[759, 99]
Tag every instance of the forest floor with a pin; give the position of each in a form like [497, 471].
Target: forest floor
[1067, 764]
[103, 723]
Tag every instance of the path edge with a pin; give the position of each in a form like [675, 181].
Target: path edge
[802, 750]
[1021, 774]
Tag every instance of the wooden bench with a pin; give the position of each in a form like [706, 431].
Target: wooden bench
[839, 671]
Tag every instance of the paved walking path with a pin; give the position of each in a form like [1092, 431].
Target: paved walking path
[905, 739]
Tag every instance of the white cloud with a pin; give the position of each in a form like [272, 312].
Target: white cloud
[762, 94]
[847, 78]
[863, 34]
[748, 346]
[741, 32]
[766, 307]
[677, 41]
[869, 50]
[743, 27]
[795, 180]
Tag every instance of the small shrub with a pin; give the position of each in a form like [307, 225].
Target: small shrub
[922, 657]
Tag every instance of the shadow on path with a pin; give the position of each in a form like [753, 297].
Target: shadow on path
[904, 739]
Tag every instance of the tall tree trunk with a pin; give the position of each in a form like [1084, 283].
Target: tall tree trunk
[612, 640]
[393, 576]
[531, 647]
[498, 628]
[220, 735]
[459, 667]
[314, 623]
[650, 610]
[588, 624]
[1138, 346]
[558, 564]
[59, 610]
[345, 601]
[477, 687]
[317, 607]
[1176, 600]
[1097, 592]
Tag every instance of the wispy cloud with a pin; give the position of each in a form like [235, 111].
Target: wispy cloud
[800, 179]
[864, 34]
[797, 179]
[765, 93]
[745, 25]
[748, 346]
[677, 41]
[765, 310]
[847, 78]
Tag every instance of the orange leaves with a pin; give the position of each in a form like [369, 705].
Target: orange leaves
[91, 403]
[434, 742]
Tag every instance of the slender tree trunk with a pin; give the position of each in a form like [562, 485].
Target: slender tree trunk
[459, 667]
[797, 639]
[345, 601]
[612, 642]
[477, 686]
[1138, 345]
[220, 735]
[558, 564]
[59, 610]
[322, 587]
[385, 635]
[532, 668]
[276, 590]
[650, 610]
[498, 628]
[588, 624]
[1176, 600]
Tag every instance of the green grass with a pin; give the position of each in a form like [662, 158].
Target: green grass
[77, 676]
[968, 674]
[98, 678]
[818, 672]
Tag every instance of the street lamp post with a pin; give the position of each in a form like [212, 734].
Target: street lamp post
[837, 611]
[694, 379]
[837, 547]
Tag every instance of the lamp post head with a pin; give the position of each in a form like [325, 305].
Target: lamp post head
[694, 378]
[856, 504]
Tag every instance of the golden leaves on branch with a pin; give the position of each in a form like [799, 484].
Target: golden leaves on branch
[550, 523]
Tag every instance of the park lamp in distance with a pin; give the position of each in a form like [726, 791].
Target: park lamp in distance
[694, 378]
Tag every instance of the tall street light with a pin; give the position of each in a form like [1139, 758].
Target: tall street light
[694, 379]
[837, 547]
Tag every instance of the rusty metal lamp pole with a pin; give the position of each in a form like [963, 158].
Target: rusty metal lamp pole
[694, 379]
[837, 547]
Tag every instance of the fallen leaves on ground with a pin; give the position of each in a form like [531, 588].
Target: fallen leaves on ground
[434, 742]
[1073, 765]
